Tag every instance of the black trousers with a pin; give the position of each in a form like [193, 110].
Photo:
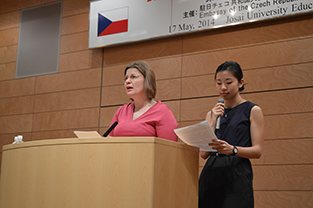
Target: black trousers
[226, 182]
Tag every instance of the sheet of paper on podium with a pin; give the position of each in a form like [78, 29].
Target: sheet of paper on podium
[87, 134]
[198, 135]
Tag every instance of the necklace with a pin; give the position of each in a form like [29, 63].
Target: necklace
[233, 107]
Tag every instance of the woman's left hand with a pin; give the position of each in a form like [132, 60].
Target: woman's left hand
[222, 146]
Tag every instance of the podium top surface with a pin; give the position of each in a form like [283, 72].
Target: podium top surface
[104, 140]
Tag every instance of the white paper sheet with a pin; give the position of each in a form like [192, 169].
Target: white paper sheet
[198, 135]
[87, 134]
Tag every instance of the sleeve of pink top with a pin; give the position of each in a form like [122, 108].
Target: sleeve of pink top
[166, 125]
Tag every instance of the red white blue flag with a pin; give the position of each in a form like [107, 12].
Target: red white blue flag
[113, 21]
[123, 21]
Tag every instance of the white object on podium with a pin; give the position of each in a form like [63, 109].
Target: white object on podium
[87, 134]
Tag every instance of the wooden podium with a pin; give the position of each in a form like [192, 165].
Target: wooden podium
[139, 172]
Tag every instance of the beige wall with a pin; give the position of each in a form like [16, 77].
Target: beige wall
[276, 56]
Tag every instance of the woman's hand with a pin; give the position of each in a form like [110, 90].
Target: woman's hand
[222, 146]
[219, 145]
[217, 110]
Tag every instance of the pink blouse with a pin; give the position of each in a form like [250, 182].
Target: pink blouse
[158, 121]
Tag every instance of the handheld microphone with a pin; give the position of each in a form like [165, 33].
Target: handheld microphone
[218, 120]
[110, 129]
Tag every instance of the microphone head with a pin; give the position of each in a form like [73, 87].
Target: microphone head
[221, 100]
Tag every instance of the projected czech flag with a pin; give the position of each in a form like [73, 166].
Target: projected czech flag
[113, 21]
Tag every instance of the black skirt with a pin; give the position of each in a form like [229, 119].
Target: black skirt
[226, 181]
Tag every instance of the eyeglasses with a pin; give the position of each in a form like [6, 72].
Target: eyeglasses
[132, 77]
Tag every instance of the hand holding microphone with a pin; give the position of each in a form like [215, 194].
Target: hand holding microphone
[218, 120]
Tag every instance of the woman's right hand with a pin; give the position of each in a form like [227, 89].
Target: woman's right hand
[217, 110]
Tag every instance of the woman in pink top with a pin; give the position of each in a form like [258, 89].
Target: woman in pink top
[144, 116]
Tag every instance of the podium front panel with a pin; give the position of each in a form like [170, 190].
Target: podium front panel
[106, 172]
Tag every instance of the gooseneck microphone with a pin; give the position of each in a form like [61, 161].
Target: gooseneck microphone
[110, 129]
[218, 120]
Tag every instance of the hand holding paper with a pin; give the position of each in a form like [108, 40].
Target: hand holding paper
[199, 135]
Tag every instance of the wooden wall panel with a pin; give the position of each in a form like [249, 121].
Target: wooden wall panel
[85, 98]
[201, 64]
[71, 119]
[107, 114]
[13, 5]
[281, 77]
[114, 95]
[68, 81]
[8, 54]
[275, 54]
[17, 87]
[284, 102]
[80, 60]
[143, 50]
[74, 42]
[48, 1]
[9, 37]
[249, 34]
[285, 178]
[196, 109]
[113, 75]
[57, 134]
[288, 126]
[166, 68]
[73, 7]
[198, 86]
[9, 20]
[7, 71]
[274, 199]
[16, 105]
[289, 151]
[16, 124]
[75, 24]
[168, 89]
[274, 78]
